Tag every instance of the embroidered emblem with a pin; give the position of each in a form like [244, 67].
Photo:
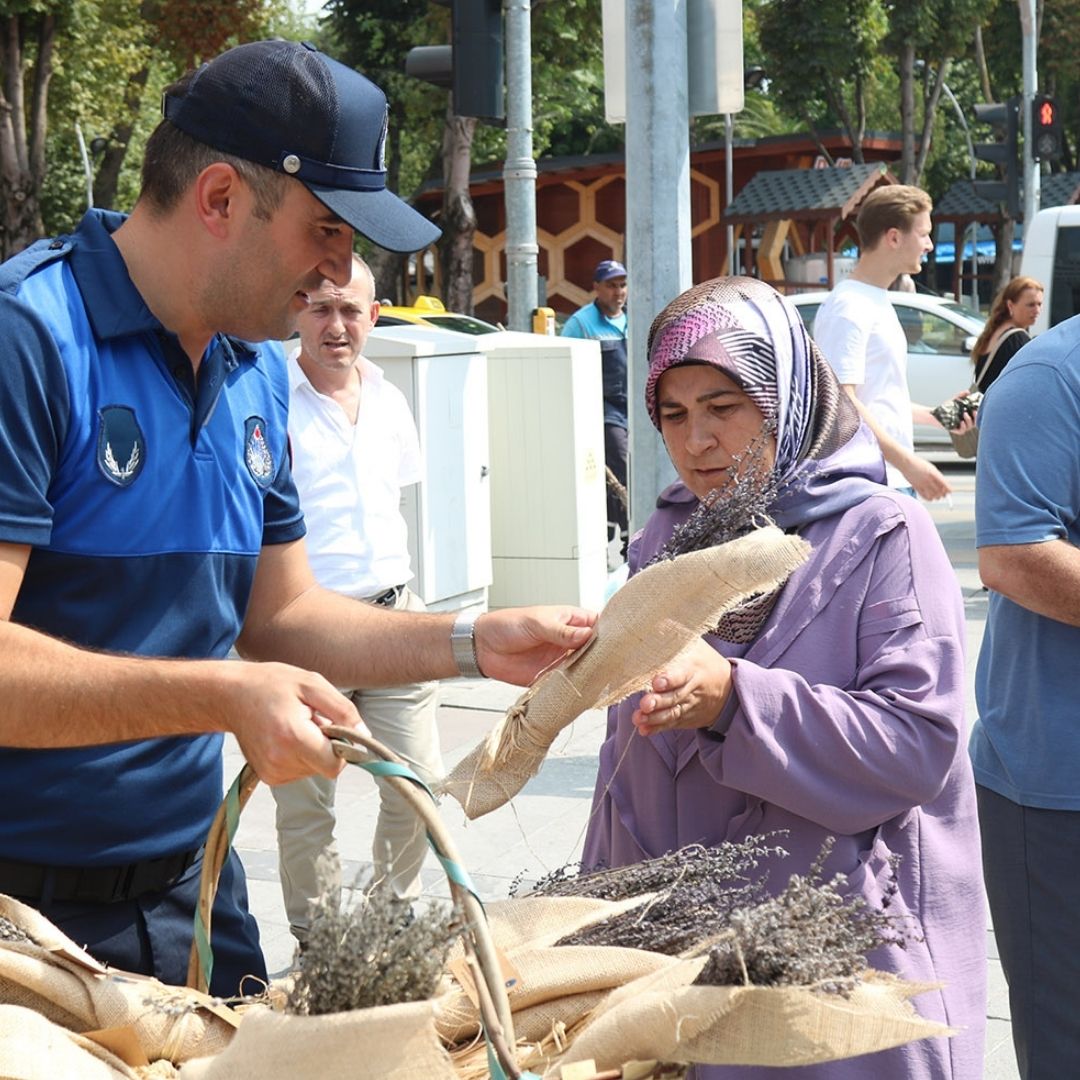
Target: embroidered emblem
[380, 152]
[121, 447]
[257, 456]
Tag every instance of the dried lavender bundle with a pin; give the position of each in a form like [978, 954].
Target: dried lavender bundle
[693, 888]
[10, 932]
[375, 952]
[735, 509]
[810, 934]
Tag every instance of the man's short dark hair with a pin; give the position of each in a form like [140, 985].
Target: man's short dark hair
[173, 159]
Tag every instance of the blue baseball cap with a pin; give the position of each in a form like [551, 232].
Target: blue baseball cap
[285, 105]
[609, 269]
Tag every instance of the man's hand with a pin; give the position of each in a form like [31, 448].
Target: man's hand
[517, 644]
[688, 694]
[925, 478]
[277, 713]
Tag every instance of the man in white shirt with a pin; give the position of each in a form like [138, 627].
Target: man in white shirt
[354, 447]
[858, 331]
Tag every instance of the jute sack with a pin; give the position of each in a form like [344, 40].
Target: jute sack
[391, 1042]
[555, 977]
[34, 1048]
[52, 976]
[550, 983]
[656, 615]
[663, 1016]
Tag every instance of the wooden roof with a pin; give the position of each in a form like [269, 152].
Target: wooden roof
[805, 194]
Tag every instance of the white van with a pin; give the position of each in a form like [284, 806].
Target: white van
[1052, 256]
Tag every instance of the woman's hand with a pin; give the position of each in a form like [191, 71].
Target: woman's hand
[688, 694]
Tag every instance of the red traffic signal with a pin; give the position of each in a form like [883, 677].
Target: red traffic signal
[1047, 137]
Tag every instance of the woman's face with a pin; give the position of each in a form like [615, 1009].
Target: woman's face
[1024, 310]
[706, 420]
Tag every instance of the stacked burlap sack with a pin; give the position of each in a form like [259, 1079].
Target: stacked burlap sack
[63, 1014]
[613, 1005]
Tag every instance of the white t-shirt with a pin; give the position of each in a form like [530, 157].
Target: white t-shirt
[858, 331]
[350, 478]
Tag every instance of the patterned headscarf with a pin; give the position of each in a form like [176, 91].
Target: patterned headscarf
[826, 459]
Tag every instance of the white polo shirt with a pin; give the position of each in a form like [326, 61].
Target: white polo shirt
[350, 477]
[860, 335]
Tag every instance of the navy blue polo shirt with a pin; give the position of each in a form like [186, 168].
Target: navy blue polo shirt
[145, 496]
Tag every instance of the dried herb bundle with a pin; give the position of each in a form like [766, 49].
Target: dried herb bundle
[694, 886]
[375, 952]
[735, 509]
[10, 932]
[807, 935]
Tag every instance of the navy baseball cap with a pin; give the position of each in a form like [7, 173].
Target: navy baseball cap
[609, 269]
[285, 105]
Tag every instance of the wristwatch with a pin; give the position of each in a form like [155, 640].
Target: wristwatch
[463, 644]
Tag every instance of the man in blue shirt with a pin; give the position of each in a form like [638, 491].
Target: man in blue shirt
[1026, 744]
[604, 319]
[148, 518]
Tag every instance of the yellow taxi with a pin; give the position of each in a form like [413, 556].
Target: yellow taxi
[429, 311]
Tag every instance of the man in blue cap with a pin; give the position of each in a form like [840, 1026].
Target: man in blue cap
[604, 319]
[149, 521]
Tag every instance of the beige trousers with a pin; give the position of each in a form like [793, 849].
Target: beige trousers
[404, 719]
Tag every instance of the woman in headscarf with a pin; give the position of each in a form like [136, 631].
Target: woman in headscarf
[833, 707]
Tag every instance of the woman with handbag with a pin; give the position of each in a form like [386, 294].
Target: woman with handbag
[1013, 313]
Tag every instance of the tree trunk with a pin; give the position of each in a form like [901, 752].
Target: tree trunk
[22, 148]
[1003, 258]
[930, 108]
[458, 216]
[907, 113]
[108, 174]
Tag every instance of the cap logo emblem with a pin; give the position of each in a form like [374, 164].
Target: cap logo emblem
[121, 446]
[380, 153]
[291, 163]
[257, 454]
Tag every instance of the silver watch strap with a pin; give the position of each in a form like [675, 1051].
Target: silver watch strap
[463, 643]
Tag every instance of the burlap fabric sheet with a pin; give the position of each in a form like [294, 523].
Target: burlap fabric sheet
[663, 1016]
[653, 618]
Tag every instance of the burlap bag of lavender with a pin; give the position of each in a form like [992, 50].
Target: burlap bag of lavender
[647, 624]
[44, 971]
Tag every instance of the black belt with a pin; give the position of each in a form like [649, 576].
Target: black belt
[388, 598]
[92, 884]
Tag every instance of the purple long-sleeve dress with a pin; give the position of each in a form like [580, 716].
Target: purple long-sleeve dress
[846, 720]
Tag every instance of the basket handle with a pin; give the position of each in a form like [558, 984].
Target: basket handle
[373, 757]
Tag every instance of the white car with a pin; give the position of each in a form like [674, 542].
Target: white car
[941, 334]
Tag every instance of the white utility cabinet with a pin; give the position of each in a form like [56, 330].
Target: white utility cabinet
[548, 485]
[444, 379]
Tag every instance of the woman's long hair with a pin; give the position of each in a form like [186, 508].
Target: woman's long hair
[999, 312]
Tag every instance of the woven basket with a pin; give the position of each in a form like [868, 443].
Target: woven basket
[377, 759]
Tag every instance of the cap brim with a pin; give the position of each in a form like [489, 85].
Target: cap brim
[381, 216]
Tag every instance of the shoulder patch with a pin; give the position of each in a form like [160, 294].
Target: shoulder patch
[257, 456]
[121, 447]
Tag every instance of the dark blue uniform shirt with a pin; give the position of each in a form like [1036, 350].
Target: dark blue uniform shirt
[145, 495]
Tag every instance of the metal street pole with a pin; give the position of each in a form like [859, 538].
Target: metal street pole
[729, 129]
[974, 225]
[657, 214]
[519, 171]
[1032, 178]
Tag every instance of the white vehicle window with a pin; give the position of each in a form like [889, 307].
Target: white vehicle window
[930, 333]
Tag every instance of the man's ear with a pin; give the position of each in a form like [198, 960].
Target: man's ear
[217, 192]
[374, 311]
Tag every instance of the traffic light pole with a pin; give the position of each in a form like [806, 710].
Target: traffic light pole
[1032, 175]
[519, 170]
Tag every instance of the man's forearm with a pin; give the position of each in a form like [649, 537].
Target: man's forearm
[352, 643]
[53, 694]
[1044, 578]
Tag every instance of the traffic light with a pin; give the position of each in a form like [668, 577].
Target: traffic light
[1004, 118]
[1046, 133]
[472, 65]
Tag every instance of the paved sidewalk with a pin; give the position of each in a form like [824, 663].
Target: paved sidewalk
[545, 825]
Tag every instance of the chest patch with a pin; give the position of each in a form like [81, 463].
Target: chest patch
[121, 446]
[257, 456]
